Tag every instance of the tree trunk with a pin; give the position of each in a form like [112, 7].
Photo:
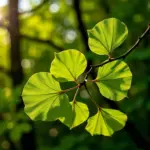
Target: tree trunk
[16, 71]
[15, 56]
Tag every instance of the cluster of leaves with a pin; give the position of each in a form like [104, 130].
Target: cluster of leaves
[45, 100]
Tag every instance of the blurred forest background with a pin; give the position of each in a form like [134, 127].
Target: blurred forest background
[30, 32]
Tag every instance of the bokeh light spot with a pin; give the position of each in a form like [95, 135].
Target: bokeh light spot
[54, 8]
[70, 36]
[53, 132]
[5, 145]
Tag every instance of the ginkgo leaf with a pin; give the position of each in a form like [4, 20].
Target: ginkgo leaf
[106, 36]
[114, 80]
[43, 99]
[68, 65]
[106, 122]
[79, 113]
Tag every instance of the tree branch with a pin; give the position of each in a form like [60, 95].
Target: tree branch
[81, 25]
[123, 56]
[135, 135]
[42, 41]
[82, 29]
[35, 39]
[35, 8]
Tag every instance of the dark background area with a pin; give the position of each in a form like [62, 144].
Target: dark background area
[30, 32]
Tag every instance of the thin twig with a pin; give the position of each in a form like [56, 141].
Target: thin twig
[77, 91]
[91, 97]
[123, 56]
[35, 8]
[136, 136]
[42, 41]
[93, 81]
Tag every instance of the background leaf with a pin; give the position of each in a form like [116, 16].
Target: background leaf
[68, 65]
[106, 122]
[114, 80]
[106, 36]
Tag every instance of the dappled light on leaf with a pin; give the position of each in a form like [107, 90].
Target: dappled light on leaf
[78, 114]
[114, 80]
[42, 98]
[68, 65]
[106, 36]
[106, 122]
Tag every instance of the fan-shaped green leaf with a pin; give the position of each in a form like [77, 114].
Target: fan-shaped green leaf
[114, 80]
[68, 65]
[106, 122]
[106, 36]
[43, 99]
[78, 115]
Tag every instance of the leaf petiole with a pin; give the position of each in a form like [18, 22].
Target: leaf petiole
[77, 91]
[70, 89]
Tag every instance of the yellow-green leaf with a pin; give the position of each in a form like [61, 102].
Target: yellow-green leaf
[114, 80]
[106, 122]
[78, 114]
[68, 65]
[106, 36]
[42, 98]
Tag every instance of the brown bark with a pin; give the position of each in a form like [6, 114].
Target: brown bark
[15, 55]
[16, 71]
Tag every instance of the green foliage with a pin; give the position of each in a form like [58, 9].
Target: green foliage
[3, 127]
[114, 80]
[106, 36]
[42, 98]
[18, 130]
[78, 114]
[71, 64]
[106, 122]
[52, 22]
[45, 100]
